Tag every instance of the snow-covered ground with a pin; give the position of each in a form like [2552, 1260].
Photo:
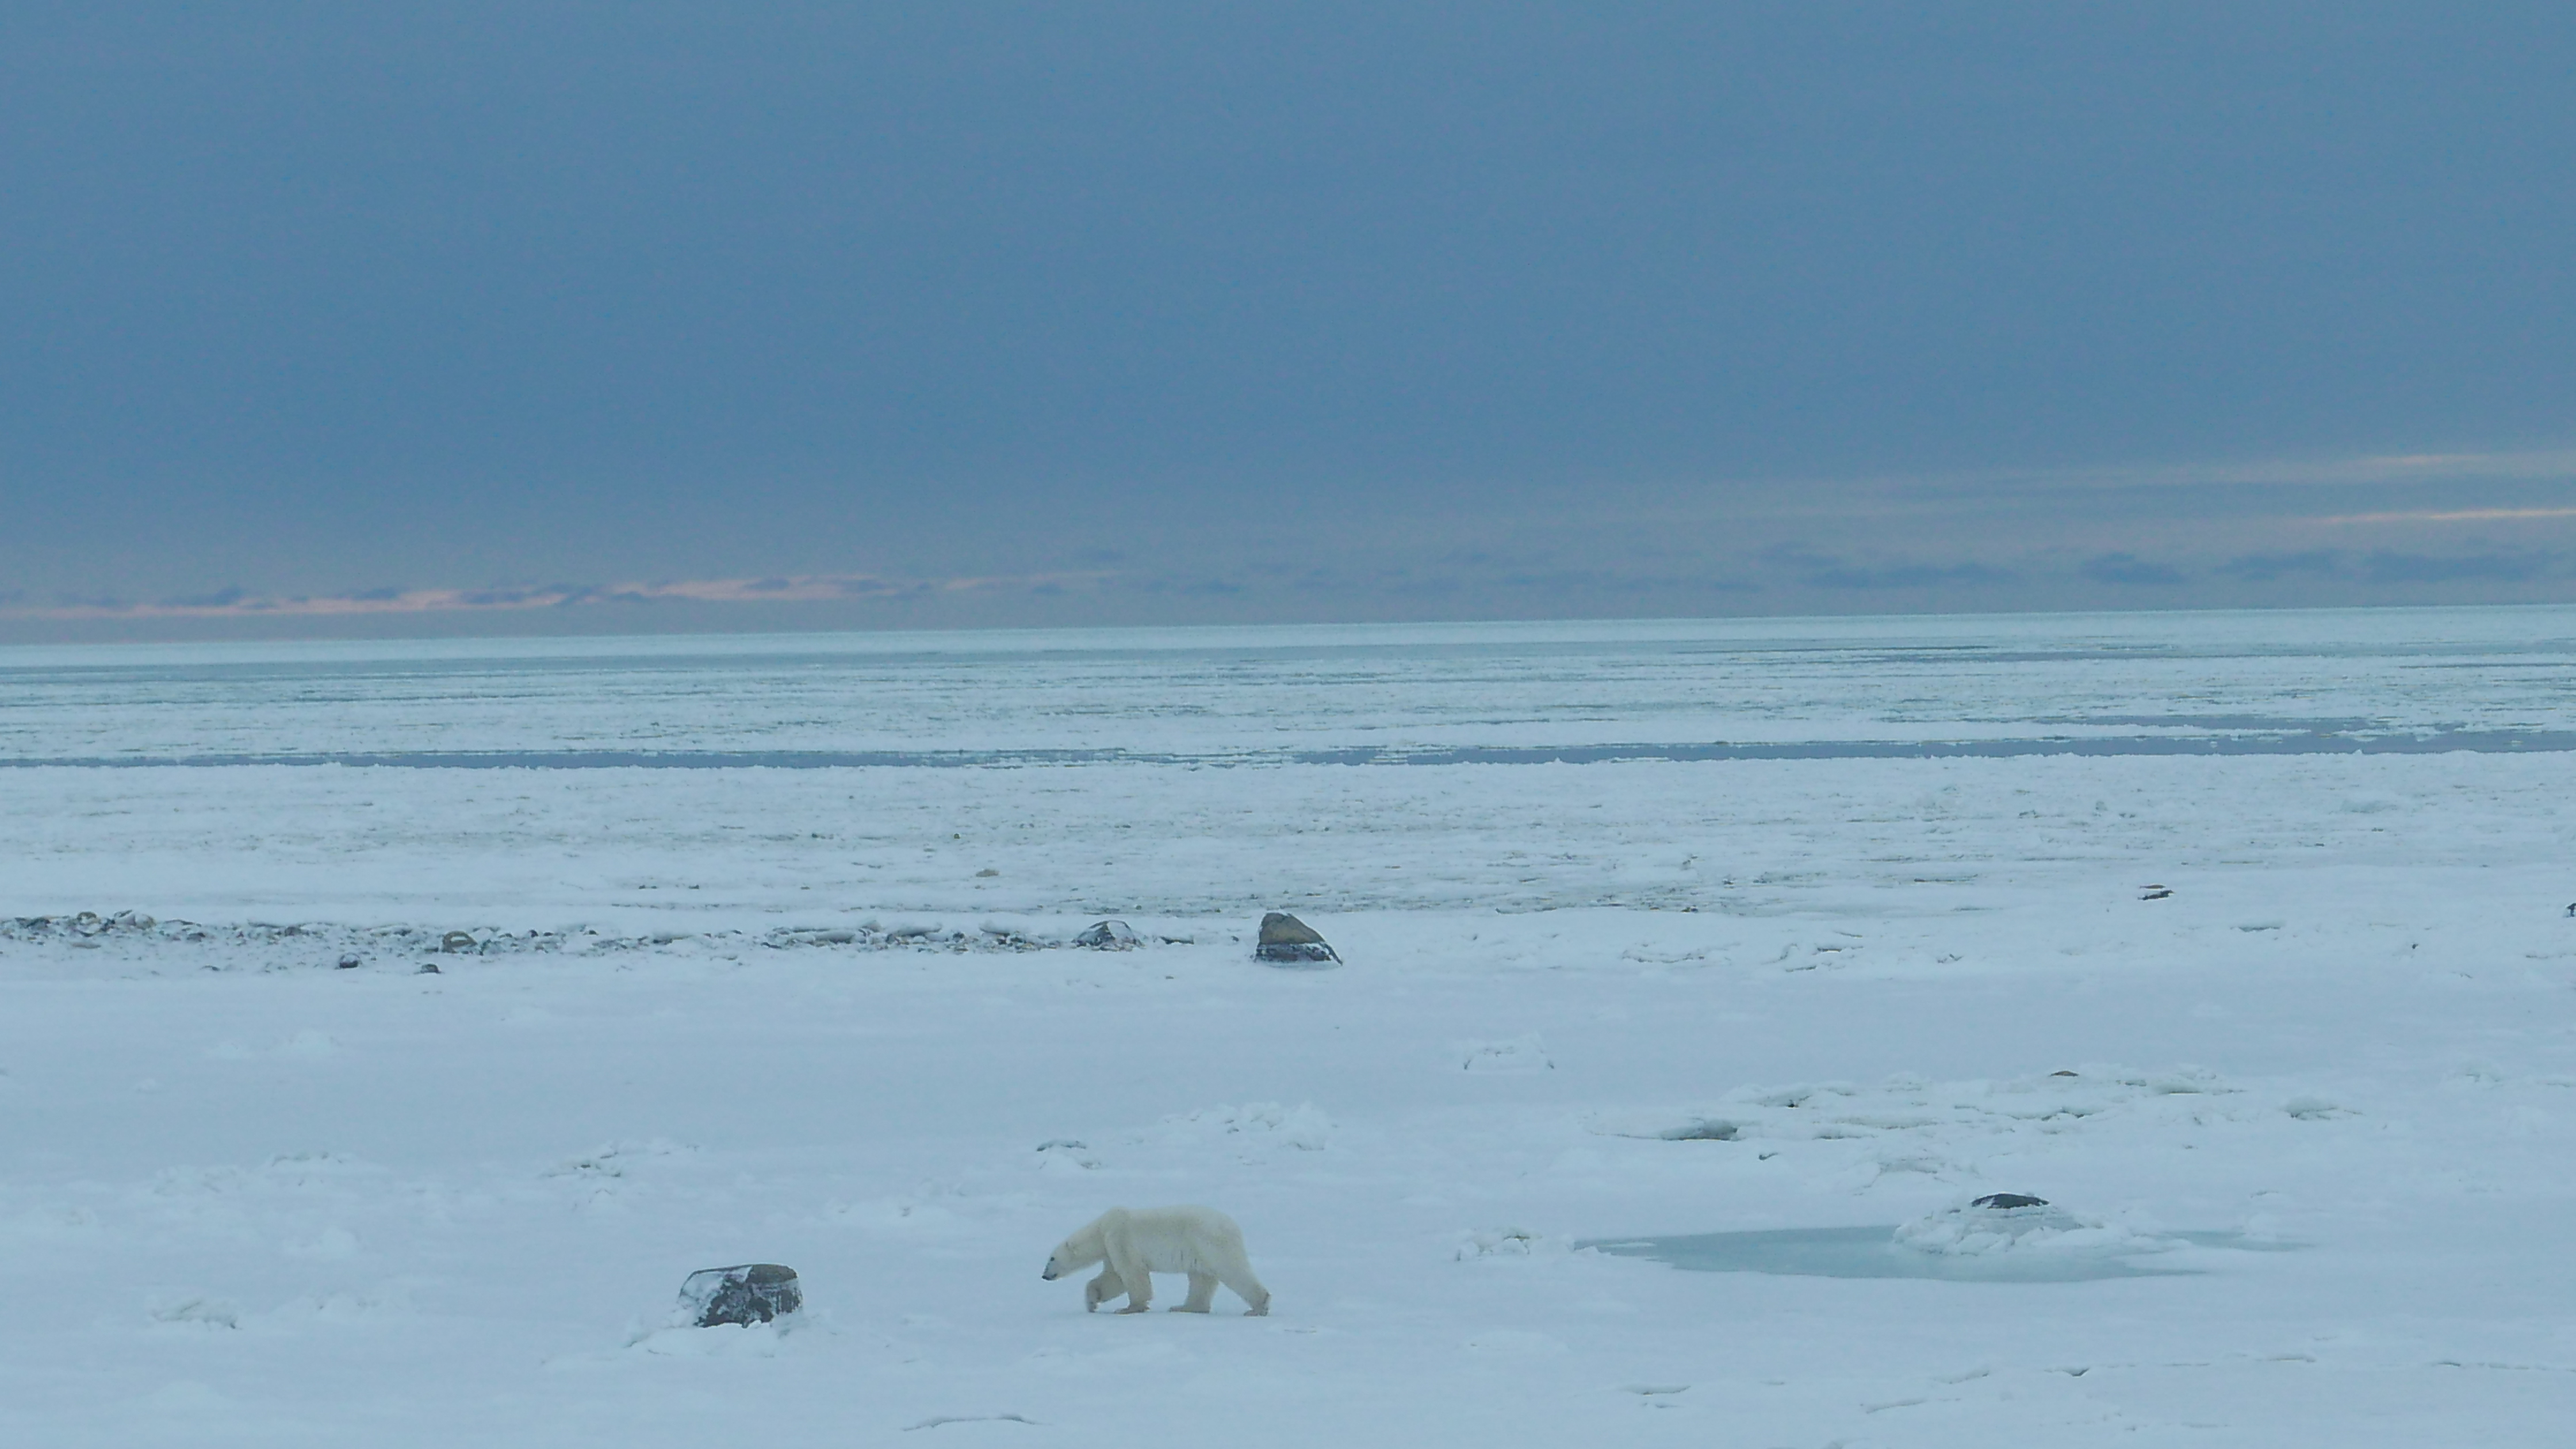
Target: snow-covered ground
[767, 959]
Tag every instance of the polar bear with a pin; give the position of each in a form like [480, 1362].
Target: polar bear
[1137, 1243]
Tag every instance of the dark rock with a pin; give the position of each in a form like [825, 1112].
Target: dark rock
[750, 1293]
[2061, 1073]
[2002, 1201]
[352, 961]
[1109, 936]
[429, 968]
[1287, 940]
[456, 941]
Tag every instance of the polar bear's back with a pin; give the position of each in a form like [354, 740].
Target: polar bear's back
[1183, 1238]
[1188, 1217]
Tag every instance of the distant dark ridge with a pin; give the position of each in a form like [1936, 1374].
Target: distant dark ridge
[2303, 743]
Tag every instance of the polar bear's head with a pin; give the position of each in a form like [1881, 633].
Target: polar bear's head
[1076, 1253]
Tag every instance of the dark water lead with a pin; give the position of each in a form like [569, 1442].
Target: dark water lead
[1874, 1253]
[2322, 742]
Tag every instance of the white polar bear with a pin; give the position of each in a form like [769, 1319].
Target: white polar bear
[1137, 1243]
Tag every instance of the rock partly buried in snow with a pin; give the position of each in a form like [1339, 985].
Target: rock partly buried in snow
[456, 941]
[1289, 941]
[351, 961]
[2019, 1226]
[746, 1294]
[1109, 936]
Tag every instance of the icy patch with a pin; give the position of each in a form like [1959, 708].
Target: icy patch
[1865, 1252]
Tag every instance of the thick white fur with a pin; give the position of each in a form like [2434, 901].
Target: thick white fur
[1137, 1243]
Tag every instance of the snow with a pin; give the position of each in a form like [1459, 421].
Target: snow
[1649, 1105]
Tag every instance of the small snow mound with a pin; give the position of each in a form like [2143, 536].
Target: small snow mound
[1064, 1152]
[2029, 1226]
[678, 1339]
[197, 1313]
[1505, 1243]
[1304, 1126]
[613, 1159]
[1111, 935]
[1797, 1094]
[333, 1242]
[2182, 1081]
[1520, 1054]
[311, 1045]
[2315, 1109]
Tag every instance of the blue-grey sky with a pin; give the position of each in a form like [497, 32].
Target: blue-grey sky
[327, 317]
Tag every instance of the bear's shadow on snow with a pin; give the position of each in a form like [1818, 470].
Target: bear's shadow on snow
[1873, 1252]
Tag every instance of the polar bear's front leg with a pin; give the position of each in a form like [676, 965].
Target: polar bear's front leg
[1202, 1293]
[1100, 1290]
[1131, 1271]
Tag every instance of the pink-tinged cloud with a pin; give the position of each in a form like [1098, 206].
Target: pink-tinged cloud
[2453, 515]
[797, 588]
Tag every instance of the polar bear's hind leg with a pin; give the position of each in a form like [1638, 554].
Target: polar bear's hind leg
[1223, 1257]
[1237, 1275]
[1202, 1292]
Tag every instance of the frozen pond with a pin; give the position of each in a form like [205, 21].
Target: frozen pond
[1873, 1252]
